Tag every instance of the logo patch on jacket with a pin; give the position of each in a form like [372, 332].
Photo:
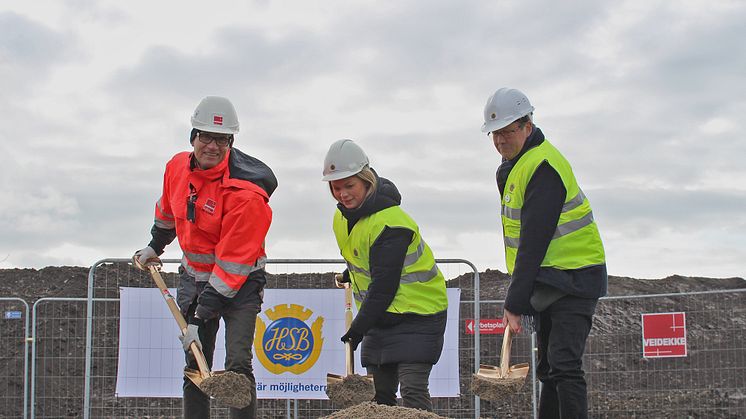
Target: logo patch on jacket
[209, 206]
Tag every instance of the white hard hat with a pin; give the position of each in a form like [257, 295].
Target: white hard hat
[344, 159]
[215, 114]
[503, 107]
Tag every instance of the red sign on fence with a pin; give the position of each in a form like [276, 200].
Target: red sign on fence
[486, 326]
[663, 335]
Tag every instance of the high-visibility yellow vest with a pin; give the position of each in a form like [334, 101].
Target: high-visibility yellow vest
[576, 242]
[422, 287]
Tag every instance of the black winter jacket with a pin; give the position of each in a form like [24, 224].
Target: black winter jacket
[391, 338]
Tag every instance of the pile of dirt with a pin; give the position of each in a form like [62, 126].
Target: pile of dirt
[370, 410]
[496, 389]
[229, 388]
[351, 390]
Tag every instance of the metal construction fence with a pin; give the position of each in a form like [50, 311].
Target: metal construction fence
[14, 349]
[62, 360]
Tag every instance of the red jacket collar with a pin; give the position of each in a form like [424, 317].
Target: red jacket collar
[212, 173]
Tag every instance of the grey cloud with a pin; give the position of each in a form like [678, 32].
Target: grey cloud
[624, 96]
[29, 45]
[674, 210]
[242, 64]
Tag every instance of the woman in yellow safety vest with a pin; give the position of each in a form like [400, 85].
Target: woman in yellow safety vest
[399, 291]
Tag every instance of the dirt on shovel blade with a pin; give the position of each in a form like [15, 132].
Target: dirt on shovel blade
[230, 388]
[372, 410]
[351, 390]
[496, 389]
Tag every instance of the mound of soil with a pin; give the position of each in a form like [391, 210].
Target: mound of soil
[350, 390]
[229, 387]
[370, 410]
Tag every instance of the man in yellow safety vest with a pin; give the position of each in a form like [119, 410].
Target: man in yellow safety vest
[553, 250]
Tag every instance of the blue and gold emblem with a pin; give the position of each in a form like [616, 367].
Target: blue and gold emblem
[288, 343]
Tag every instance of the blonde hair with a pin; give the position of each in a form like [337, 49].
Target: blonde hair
[367, 176]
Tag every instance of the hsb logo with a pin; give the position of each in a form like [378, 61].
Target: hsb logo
[288, 343]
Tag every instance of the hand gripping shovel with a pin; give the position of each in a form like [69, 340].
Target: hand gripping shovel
[350, 389]
[493, 383]
[229, 387]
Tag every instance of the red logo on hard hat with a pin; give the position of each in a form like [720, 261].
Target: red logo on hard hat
[217, 119]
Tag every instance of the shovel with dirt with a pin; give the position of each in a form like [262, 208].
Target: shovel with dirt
[350, 389]
[228, 387]
[497, 383]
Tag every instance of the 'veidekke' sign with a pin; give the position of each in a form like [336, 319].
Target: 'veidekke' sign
[486, 326]
[663, 335]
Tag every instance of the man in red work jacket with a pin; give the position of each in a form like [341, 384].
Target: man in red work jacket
[215, 200]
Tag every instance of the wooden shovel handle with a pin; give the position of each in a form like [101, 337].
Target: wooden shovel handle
[349, 353]
[204, 370]
[505, 352]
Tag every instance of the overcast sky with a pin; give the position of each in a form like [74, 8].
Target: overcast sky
[645, 98]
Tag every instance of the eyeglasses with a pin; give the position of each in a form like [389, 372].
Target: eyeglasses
[505, 132]
[220, 140]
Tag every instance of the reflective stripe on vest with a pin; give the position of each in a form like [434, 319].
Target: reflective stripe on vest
[515, 213]
[562, 229]
[189, 260]
[576, 242]
[422, 285]
[409, 260]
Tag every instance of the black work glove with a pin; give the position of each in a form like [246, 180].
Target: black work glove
[353, 337]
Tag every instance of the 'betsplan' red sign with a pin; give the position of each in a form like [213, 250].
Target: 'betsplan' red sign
[663, 335]
[486, 326]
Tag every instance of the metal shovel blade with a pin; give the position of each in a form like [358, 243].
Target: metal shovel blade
[493, 372]
[197, 378]
[497, 383]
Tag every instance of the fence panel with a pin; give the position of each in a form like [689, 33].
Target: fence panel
[520, 403]
[58, 357]
[458, 273]
[105, 281]
[108, 277]
[710, 382]
[14, 331]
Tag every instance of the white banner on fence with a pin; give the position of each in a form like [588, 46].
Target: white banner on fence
[295, 346]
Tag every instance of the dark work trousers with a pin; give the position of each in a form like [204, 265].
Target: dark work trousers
[414, 384]
[239, 336]
[562, 329]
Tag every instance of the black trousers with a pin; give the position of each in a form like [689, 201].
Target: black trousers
[239, 336]
[413, 377]
[562, 330]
